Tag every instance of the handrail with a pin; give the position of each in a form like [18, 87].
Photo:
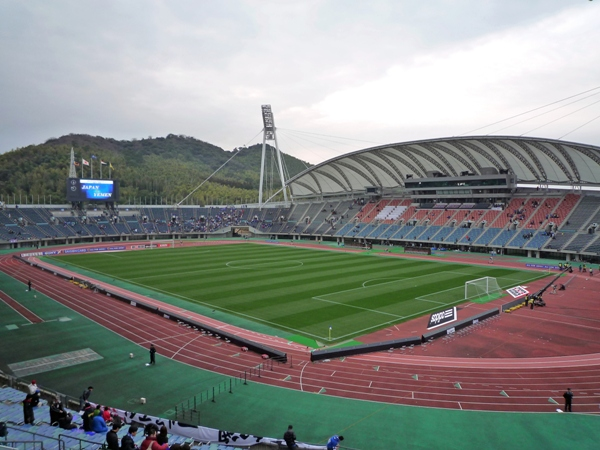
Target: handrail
[68, 436]
[61, 444]
[12, 444]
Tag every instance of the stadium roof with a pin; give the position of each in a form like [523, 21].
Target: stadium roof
[532, 160]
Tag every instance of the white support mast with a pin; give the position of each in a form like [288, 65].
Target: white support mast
[270, 134]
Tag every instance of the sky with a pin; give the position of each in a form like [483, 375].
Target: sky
[340, 75]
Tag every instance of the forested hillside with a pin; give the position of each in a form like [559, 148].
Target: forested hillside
[150, 171]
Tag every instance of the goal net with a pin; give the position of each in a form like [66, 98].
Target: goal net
[482, 288]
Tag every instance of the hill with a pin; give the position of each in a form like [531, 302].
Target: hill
[159, 170]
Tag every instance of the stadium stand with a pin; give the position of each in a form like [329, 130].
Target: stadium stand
[52, 437]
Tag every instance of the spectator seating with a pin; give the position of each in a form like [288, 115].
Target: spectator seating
[54, 438]
[487, 236]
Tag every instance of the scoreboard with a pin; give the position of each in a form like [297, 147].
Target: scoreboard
[82, 189]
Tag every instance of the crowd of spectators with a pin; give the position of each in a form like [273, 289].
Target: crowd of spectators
[99, 419]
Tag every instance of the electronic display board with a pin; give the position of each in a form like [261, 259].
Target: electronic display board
[83, 189]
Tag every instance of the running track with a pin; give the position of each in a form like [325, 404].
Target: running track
[487, 367]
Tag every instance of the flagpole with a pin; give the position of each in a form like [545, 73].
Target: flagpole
[92, 167]
[82, 167]
[100, 169]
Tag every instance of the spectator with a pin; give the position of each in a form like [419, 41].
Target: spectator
[107, 415]
[184, 446]
[290, 438]
[28, 417]
[86, 415]
[85, 396]
[112, 438]
[33, 387]
[60, 417]
[98, 424]
[128, 443]
[150, 442]
[162, 437]
[35, 393]
[334, 442]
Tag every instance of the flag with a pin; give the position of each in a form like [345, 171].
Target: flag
[103, 163]
[94, 157]
[75, 163]
[111, 166]
[85, 162]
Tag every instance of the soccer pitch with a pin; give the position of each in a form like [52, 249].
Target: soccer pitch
[297, 290]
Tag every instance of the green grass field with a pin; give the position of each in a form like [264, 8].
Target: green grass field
[299, 291]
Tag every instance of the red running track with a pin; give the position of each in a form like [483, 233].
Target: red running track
[485, 367]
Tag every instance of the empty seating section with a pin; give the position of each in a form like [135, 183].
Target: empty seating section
[345, 229]
[444, 218]
[134, 226]
[51, 231]
[367, 212]
[379, 231]
[443, 234]
[502, 238]
[6, 218]
[94, 230]
[387, 212]
[538, 240]
[430, 233]
[581, 214]
[580, 242]
[594, 219]
[389, 231]
[408, 214]
[35, 232]
[393, 210]
[122, 228]
[32, 215]
[413, 232]
[149, 227]
[457, 233]
[519, 238]
[565, 207]
[487, 216]
[314, 217]
[107, 227]
[594, 247]
[421, 215]
[487, 236]
[297, 212]
[367, 229]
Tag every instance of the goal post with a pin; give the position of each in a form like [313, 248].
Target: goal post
[482, 287]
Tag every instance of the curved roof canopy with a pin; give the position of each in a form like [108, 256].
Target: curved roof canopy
[532, 160]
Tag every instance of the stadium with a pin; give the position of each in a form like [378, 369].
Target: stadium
[391, 287]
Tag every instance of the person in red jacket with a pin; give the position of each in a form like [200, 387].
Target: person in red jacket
[150, 442]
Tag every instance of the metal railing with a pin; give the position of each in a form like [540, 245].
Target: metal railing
[45, 393]
[188, 412]
[60, 443]
[80, 441]
[27, 445]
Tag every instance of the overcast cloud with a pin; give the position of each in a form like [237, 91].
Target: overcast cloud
[374, 72]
